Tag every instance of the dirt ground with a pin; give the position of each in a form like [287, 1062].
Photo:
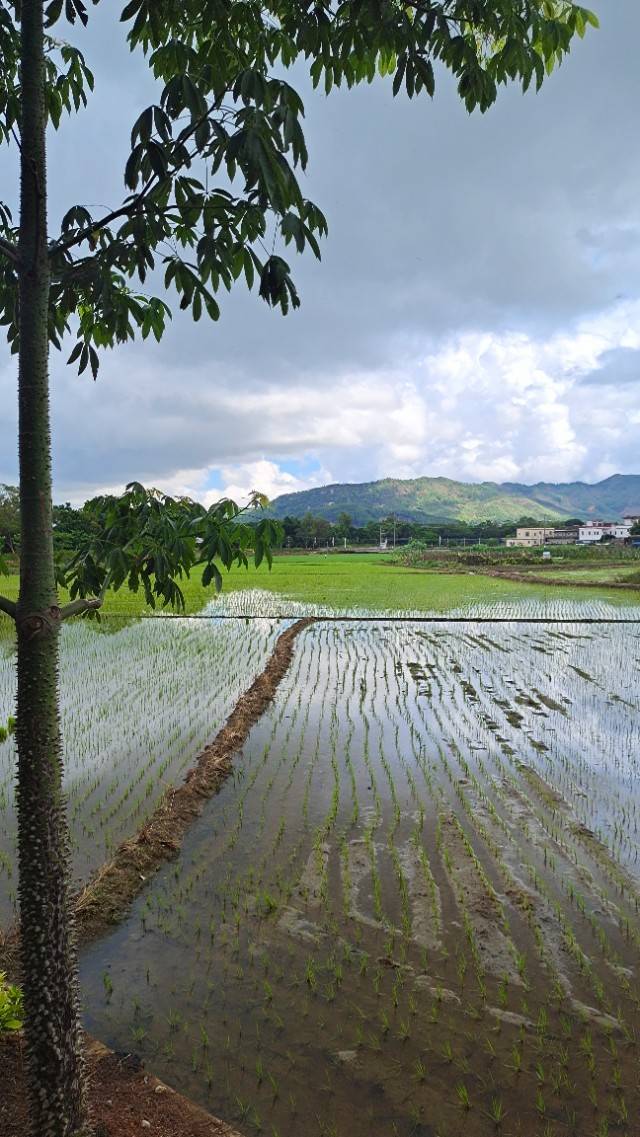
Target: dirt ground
[125, 1099]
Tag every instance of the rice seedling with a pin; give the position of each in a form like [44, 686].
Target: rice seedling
[496, 1112]
[462, 1094]
[425, 860]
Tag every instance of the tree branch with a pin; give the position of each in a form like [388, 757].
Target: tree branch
[77, 607]
[8, 606]
[132, 206]
[10, 251]
[123, 211]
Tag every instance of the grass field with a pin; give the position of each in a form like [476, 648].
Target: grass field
[594, 574]
[367, 580]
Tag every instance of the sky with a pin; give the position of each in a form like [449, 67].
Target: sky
[475, 315]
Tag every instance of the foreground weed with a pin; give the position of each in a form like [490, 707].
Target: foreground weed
[11, 1008]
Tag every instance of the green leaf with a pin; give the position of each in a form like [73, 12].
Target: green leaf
[131, 9]
[399, 75]
[53, 12]
[75, 353]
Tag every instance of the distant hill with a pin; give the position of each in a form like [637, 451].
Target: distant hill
[430, 500]
[611, 498]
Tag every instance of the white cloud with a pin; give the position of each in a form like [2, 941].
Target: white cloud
[477, 405]
[238, 481]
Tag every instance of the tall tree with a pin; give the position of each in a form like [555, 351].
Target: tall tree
[344, 524]
[220, 109]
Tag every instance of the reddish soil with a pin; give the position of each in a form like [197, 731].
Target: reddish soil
[125, 1099]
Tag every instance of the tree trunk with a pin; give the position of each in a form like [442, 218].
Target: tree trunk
[55, 1070]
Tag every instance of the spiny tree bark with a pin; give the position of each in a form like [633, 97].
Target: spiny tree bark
[55, 1071]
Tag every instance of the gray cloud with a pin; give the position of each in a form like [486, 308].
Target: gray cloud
[617, 368]
[442, 225]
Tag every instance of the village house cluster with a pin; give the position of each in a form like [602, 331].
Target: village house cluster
[588, 534]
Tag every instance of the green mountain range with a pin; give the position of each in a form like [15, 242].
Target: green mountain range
[430, 500]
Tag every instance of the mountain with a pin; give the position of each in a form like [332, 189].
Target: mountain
[429, 500]
[611, 498]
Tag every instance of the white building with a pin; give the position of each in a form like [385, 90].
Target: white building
[595, 530]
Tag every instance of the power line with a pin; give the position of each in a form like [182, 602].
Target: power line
[331, 619]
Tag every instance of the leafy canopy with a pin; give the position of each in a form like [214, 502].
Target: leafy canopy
[149, 542]
[211, 179]
[9, 518]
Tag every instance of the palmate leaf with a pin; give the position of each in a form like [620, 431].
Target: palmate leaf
[147, 540]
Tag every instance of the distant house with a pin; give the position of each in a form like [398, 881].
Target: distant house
[530, 536]
[564, 535]
[595, 531]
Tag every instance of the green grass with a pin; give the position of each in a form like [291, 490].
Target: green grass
[595, 575]
[367, 580]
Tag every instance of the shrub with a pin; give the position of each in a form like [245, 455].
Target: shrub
[11, 1011]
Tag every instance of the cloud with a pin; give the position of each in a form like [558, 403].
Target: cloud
[474, 405]
[238, 481]
[475, 314]
[617, 368]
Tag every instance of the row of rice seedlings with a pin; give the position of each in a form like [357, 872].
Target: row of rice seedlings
[285, 1000]
[471, 808]
[509, 750]
[137, 706]
[595, 925]
[563, 849]
[597, 771]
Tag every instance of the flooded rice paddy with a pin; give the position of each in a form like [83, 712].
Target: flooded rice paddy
[138, 702]
[413, 908]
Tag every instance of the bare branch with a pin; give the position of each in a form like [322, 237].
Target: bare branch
[8, 606]
[10, 251]
[77, 607]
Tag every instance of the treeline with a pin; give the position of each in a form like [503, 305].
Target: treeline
[310, 531]
[306, 532]
[68, 523]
